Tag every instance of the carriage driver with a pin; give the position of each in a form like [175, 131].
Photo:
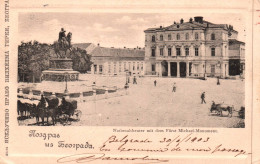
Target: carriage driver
[42, 101]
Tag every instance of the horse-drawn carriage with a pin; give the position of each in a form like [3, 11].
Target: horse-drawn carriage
[50, 107]
[219, 108]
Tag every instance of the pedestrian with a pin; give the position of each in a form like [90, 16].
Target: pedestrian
[203, 98]
[134, 80]
[155, 83]
[218, 83]
[174, 87]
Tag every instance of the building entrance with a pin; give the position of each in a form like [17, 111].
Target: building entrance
[234, 67]
[182, 69]
[164, 68]
[173, 69]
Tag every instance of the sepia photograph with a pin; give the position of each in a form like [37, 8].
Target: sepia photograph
[130, 81]
[132, 69]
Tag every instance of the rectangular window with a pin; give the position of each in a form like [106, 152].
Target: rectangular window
[212, 69]
[100, 68]
[109, 68]
[212, 51]
[153, 52]
[119, 66]
[129, 66]
[137, 66]
[142, 67]
[196, 36]
[133, 66]
[114, 67]
[124, 66]
[161, 51]
[169, 52]
[178, 51]
[196, 51]
[95, 68]
[187, 51]
[153, 67]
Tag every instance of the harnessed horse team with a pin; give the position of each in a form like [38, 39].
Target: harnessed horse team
[47, 107]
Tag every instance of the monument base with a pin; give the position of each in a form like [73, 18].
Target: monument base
[60, 76]
[60, 70]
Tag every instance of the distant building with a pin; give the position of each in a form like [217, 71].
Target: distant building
[194, 48]
[115, 61]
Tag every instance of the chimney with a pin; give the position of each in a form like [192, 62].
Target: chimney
[181, 21]
[160, 26]
[191, 20]
[198, 19]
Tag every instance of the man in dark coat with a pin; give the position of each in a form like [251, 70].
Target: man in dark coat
[62, 37]
[62, 34]
[134, 80]
[42, 101]
[174, 87]
[203, 98]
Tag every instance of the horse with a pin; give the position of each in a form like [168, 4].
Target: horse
[21, 108]
[63, 45]
[52, 108]
[41, 111]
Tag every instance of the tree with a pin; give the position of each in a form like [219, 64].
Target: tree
[33, 58]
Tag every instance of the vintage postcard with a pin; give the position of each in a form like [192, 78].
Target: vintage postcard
[130, 82]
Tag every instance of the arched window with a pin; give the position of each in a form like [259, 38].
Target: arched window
[169, 37]
[213, 36]
[196, 36]
[161, 37]
[187, 36]
[178, 36]
[153, 38]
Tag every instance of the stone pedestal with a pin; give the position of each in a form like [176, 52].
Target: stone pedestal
[60, 70]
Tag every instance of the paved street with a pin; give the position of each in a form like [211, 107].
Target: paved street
[147, 105]
[150, 106]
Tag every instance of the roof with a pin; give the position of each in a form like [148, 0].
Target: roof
[117, 52]
[190, 26]
[234, 41]
[81, 45]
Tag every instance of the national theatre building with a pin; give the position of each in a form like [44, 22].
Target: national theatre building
[195, 48]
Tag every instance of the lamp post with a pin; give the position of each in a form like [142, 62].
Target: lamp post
[66, 80]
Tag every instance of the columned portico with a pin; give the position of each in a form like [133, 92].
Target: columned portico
[187, 69]
[178, 69]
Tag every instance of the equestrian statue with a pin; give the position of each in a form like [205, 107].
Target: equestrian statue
[63, 44]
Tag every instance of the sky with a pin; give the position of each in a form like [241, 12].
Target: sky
[109, 29]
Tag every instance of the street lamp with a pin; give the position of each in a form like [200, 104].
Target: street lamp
[66, 80]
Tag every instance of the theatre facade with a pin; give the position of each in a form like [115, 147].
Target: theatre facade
[195, 48]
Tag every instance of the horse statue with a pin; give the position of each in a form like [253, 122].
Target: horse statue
[63, 44]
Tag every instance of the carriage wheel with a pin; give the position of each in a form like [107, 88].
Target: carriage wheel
[64, 119]
[78, 114]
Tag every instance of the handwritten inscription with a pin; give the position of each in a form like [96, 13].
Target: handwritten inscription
[125, 145]
[89, 157]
